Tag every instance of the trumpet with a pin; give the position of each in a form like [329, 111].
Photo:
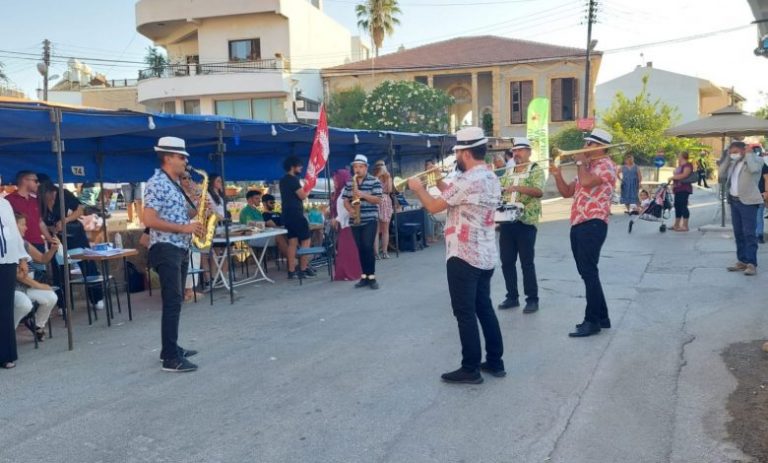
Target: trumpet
[429, 178]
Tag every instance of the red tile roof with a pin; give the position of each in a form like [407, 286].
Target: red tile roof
[486, 50]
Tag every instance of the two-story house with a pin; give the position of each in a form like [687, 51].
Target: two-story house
[491, 75]
[246, 59]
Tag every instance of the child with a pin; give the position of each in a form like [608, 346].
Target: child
[645, 200]
[28, 290]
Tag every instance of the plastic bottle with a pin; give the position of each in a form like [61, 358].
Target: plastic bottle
[118, 241]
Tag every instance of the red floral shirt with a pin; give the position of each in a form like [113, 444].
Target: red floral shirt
[469, 230]
[595, 202]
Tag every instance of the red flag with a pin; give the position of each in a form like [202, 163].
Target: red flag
[320, 151]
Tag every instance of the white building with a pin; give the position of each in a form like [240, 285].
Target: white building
[242, 58]
[692, 96]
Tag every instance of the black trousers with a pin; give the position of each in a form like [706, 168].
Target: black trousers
[364, 235]
[518, 239]
[470, 290]
[702, 178]
[587, 240]
[170, 262]
[681, 205]
[7, 328]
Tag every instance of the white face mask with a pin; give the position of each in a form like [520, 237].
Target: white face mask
[735, 156]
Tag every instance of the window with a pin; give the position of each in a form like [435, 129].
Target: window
[245, 50]
[169, 107]
[422, 80]
[268, 109]
[240, 109]
[520, 95]
[564, 94]
[191, 106]
[262, 109]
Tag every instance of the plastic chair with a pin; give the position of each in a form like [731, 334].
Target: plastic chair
[323, 254]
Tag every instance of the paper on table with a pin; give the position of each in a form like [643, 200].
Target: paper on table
[108, 252]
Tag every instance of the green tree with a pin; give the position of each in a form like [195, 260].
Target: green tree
[3, 75]
[762, 112]
[641, 122]
[378, 18]
[345, 108]
[406, 106]
[156, 61]
[568, 138]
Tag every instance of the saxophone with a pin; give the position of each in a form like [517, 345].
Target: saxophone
[204, 243]
[355, 202]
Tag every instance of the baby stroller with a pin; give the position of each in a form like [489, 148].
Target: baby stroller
[657, 211]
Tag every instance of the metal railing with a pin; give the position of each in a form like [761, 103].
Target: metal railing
[182, 70]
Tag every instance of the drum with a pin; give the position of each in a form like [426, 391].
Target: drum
[508, 213]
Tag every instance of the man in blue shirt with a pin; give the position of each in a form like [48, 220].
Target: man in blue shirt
[167, 211]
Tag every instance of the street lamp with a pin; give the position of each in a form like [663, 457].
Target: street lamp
[43, 69]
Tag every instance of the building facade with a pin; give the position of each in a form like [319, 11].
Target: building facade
[693, 97]
[491, 79]
[246, 59]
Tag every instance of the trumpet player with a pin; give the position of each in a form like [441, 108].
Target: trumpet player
[366, 189]
[591, 191]
[524, 182]
[167, 213]
[470, 243]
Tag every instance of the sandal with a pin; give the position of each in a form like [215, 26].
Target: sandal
[385, 256]
[40, 334]
[8, 365]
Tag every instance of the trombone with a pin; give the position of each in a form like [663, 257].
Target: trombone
[429, 178]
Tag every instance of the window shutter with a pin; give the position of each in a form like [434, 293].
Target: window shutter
[514, 95]
[575, 104]
[526, 92]
[557, 99]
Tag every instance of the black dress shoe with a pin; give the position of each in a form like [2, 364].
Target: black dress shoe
[373, 284]
[509, 304]
[493, 371]
[463, 376]
[531, 307]
[361, 283]
[585, 329]
[605, 323]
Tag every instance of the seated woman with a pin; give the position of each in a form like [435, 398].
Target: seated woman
[29, 291]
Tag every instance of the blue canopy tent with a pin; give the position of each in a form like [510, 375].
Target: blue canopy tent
[75, 144]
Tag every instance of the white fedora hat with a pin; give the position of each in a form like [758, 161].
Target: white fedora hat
[171, 145]
[469, 137]
[600, 136]
[360, 159]
[519, 143]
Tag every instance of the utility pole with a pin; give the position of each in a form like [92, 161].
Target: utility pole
[46, 65]
[591, 13]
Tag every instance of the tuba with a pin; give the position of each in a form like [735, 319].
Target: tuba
[204, 242]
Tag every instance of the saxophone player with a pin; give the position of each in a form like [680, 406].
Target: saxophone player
[365, 190]
[167, 213]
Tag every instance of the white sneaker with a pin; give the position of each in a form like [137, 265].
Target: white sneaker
[100, 305]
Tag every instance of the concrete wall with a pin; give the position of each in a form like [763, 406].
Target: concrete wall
[113, 98]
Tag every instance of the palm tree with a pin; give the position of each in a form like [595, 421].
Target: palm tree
[379, 18]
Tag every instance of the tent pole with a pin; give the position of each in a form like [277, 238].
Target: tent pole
[58, 148]
[100, 161]
[220, 149]
[331, 258]
[394, 216]
[722, 188]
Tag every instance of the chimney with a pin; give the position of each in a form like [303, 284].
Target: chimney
[649, 64]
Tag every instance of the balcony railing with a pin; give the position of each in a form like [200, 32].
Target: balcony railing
[182, 70]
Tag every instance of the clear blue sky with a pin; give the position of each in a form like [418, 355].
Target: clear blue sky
[107, 30]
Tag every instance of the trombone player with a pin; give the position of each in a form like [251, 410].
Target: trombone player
[524, 181]
[591, 191]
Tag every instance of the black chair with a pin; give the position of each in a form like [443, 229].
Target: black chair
[323, 255]
[409, 236]
[29, 321]
[89, 281]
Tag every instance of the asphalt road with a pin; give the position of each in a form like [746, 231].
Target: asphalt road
[327, 373]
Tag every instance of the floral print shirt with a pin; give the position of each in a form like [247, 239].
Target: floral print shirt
[595, 203]
[470, 230]
[531, 178]
[165, 197]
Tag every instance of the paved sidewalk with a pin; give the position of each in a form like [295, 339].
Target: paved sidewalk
[327, 373]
